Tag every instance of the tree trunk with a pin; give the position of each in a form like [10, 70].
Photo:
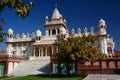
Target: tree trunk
[68, 69]
[59, 69]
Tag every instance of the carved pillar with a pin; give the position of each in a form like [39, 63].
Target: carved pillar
[42, 51]
[46, 51]
[112, 50]
[52, 50]
[39, 51]
[34, 52]
[56, 32]
[50, 32]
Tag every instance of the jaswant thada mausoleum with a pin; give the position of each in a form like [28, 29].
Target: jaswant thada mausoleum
[36, 48]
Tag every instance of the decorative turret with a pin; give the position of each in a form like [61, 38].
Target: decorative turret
[38, 35]
[102, 36]
[86, 31]
[46, 19]
[23, 36]
[79, 31]
[92, 30]
[62, 30]
[54, 24]
[73, 31]
[10, 33]
[102, 27]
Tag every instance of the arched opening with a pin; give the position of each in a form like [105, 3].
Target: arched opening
[53, 32]
[37, 52]
[104, 64]
[44, 54]
[111, 64]
[49, 51]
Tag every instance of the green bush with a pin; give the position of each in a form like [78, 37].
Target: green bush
[4, 76]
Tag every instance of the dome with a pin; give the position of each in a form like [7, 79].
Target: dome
[10, 31]
[102, 21]
[46, 18]
[38, 33]
[62, 30]
[23, 35]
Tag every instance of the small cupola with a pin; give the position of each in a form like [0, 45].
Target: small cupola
[101, 23]
[10, 33]
[62, 30]
[38, 35]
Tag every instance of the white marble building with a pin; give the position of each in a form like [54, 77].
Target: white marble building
[38, 46]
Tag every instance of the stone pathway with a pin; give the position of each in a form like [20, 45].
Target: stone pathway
[102, 77]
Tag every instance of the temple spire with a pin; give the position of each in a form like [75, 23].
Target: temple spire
[56, 14]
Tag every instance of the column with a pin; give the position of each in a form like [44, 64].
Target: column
[56, 49]
[52, 50]
[46, 51]
[112, 50]
[39, 51]
[50, 32]
[34, 52]
[42, 51]
[47, 33]
[56, 32]
[16, 50]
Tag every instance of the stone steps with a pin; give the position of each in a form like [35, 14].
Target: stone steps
[102, 77]
[32, 67]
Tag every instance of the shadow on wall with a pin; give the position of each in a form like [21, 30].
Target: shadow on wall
[117, 71]
[45, 69]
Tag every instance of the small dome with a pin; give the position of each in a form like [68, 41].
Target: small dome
[62, 30]
[102, 21]
[38, 33]
[46, 18]
[23, 35]
[10, 31]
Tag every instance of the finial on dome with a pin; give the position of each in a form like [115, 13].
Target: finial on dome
[92, 30]
[56, 14]
[56, 5]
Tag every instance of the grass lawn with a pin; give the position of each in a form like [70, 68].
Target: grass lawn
[48, 77]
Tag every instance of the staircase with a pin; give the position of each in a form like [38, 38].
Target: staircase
[31, 67]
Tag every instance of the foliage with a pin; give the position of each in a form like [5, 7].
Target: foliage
[1, 31]
[3, 77]
[22, 9]
[77, 49]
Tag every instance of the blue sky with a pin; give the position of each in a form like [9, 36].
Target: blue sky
[78, 13]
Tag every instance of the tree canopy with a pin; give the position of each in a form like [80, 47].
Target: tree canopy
[22, 9]
[78, 49]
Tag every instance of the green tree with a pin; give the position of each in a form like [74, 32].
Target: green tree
[77, 49]
[2, 33]
[22, 9]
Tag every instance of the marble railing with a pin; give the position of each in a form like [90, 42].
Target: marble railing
[5, 57]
